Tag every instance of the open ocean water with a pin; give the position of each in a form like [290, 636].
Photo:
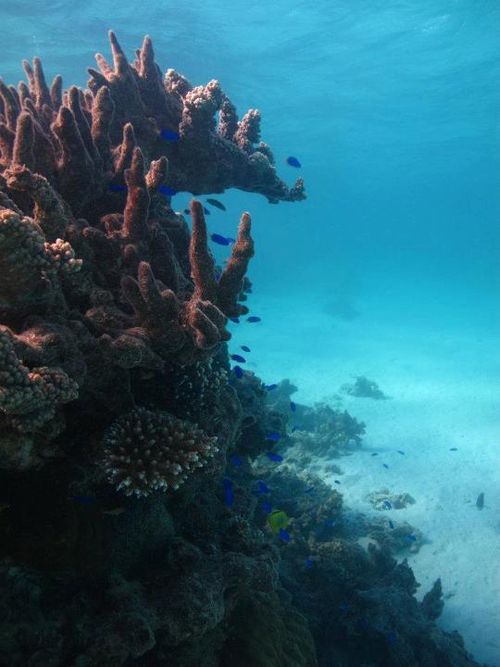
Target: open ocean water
[390, 268]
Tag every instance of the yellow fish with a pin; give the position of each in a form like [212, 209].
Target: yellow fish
[277, 520]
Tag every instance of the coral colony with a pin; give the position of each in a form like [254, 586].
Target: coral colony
[149, 511]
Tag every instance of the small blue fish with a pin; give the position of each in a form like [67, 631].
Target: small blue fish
[167, 190]
[169, 135]
[392, 637]
[218, 238]
[267, 507]
[216, 203]
[254, 318]
[187, 211]
[228, 492]
[284, 535]
[375, 454]
[293, 162]
[238, 358]
[245, 348]
[84, 500]
[453, 449]
[236, 320]
[293, 407]
[309, 563]
[391, 525]
[337, 481]
[399, 451]
[206, 211]
[262, 487]
[217, 275]
[238, 371]
[385, 465]
[235, 460]
[387, 505]
[117, 188]
[274, 457]
[411, 538]
[270, 387]
[274, 436]
[310, 490]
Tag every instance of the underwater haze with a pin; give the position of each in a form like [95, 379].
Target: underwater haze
[389, 270]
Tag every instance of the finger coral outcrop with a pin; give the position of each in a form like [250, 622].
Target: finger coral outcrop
[81, 139]
[146, 451]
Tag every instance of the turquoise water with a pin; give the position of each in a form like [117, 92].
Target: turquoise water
[391, 266]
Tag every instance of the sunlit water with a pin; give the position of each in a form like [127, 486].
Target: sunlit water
[390, 268]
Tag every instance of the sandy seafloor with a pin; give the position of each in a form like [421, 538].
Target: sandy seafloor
[441, 372]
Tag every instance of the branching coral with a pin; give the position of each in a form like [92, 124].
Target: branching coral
[146, 451]
[79, 140]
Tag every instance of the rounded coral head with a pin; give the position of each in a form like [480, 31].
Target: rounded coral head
[150, 450]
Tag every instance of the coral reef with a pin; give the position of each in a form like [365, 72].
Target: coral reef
[134, 496]
[326, 431]
[385, 500]
[362, 387]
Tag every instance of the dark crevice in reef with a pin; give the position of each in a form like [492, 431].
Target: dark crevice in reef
[135, 490]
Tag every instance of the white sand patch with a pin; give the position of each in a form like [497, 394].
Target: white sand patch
[444, 393]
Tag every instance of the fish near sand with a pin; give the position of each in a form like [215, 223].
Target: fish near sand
[480, 501]
[216, 203]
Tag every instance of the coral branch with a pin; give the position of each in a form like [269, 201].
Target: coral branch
[231, 280]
